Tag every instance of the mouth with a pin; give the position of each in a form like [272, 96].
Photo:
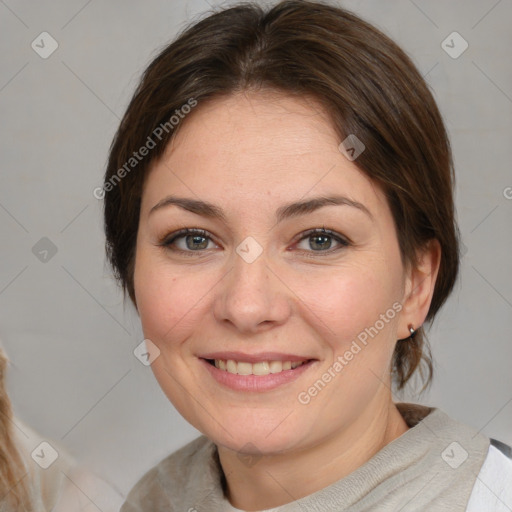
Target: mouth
[258, 376]
[260, 368]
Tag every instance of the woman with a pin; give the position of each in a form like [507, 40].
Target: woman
[279, 208]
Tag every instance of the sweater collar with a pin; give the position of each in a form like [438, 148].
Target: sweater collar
[433, 464]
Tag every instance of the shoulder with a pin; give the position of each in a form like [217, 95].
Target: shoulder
[160, 486]
[493, 485]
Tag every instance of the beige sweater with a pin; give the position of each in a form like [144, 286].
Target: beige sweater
[432, 467]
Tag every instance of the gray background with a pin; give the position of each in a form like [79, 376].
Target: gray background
[73, 376]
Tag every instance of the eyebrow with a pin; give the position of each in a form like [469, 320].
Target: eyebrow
[289, 210]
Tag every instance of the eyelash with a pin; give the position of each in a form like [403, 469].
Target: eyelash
[167, 241]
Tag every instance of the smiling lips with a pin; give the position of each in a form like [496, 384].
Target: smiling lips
[256, 376]
[254, 364]
[260, 368]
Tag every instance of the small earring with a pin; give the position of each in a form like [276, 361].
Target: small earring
[413, 333]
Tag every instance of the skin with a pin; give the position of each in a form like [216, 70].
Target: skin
[249, 154]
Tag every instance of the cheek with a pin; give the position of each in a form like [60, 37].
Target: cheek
[347, 302]
[168, 300]
[346, 311]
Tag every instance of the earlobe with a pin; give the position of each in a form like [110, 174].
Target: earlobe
[419, 289]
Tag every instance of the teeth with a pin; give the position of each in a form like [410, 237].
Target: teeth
[244, 368]
[276, 366]
[261, 368]
[231, 366]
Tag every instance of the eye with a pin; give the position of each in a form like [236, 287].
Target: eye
[192, 240]
[320, 240]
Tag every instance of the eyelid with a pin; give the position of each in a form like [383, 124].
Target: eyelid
[168, 239]
[334, 234]
[342, 240]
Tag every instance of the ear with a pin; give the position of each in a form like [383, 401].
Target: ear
[419, 288]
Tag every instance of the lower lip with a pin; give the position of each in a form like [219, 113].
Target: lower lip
[256, 383]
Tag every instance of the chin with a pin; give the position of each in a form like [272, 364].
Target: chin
[253, 439]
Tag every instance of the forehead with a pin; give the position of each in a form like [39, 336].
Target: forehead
[255, 144]
[263, 123]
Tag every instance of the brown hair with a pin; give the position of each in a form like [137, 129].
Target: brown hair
[367, 84]
[14, 493]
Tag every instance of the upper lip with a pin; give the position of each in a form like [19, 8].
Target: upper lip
[254, 358]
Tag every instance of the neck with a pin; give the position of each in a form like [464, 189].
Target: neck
[282, 478]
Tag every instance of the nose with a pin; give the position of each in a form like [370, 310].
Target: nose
[252, 297]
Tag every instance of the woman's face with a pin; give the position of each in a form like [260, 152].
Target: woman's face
[255, 285]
